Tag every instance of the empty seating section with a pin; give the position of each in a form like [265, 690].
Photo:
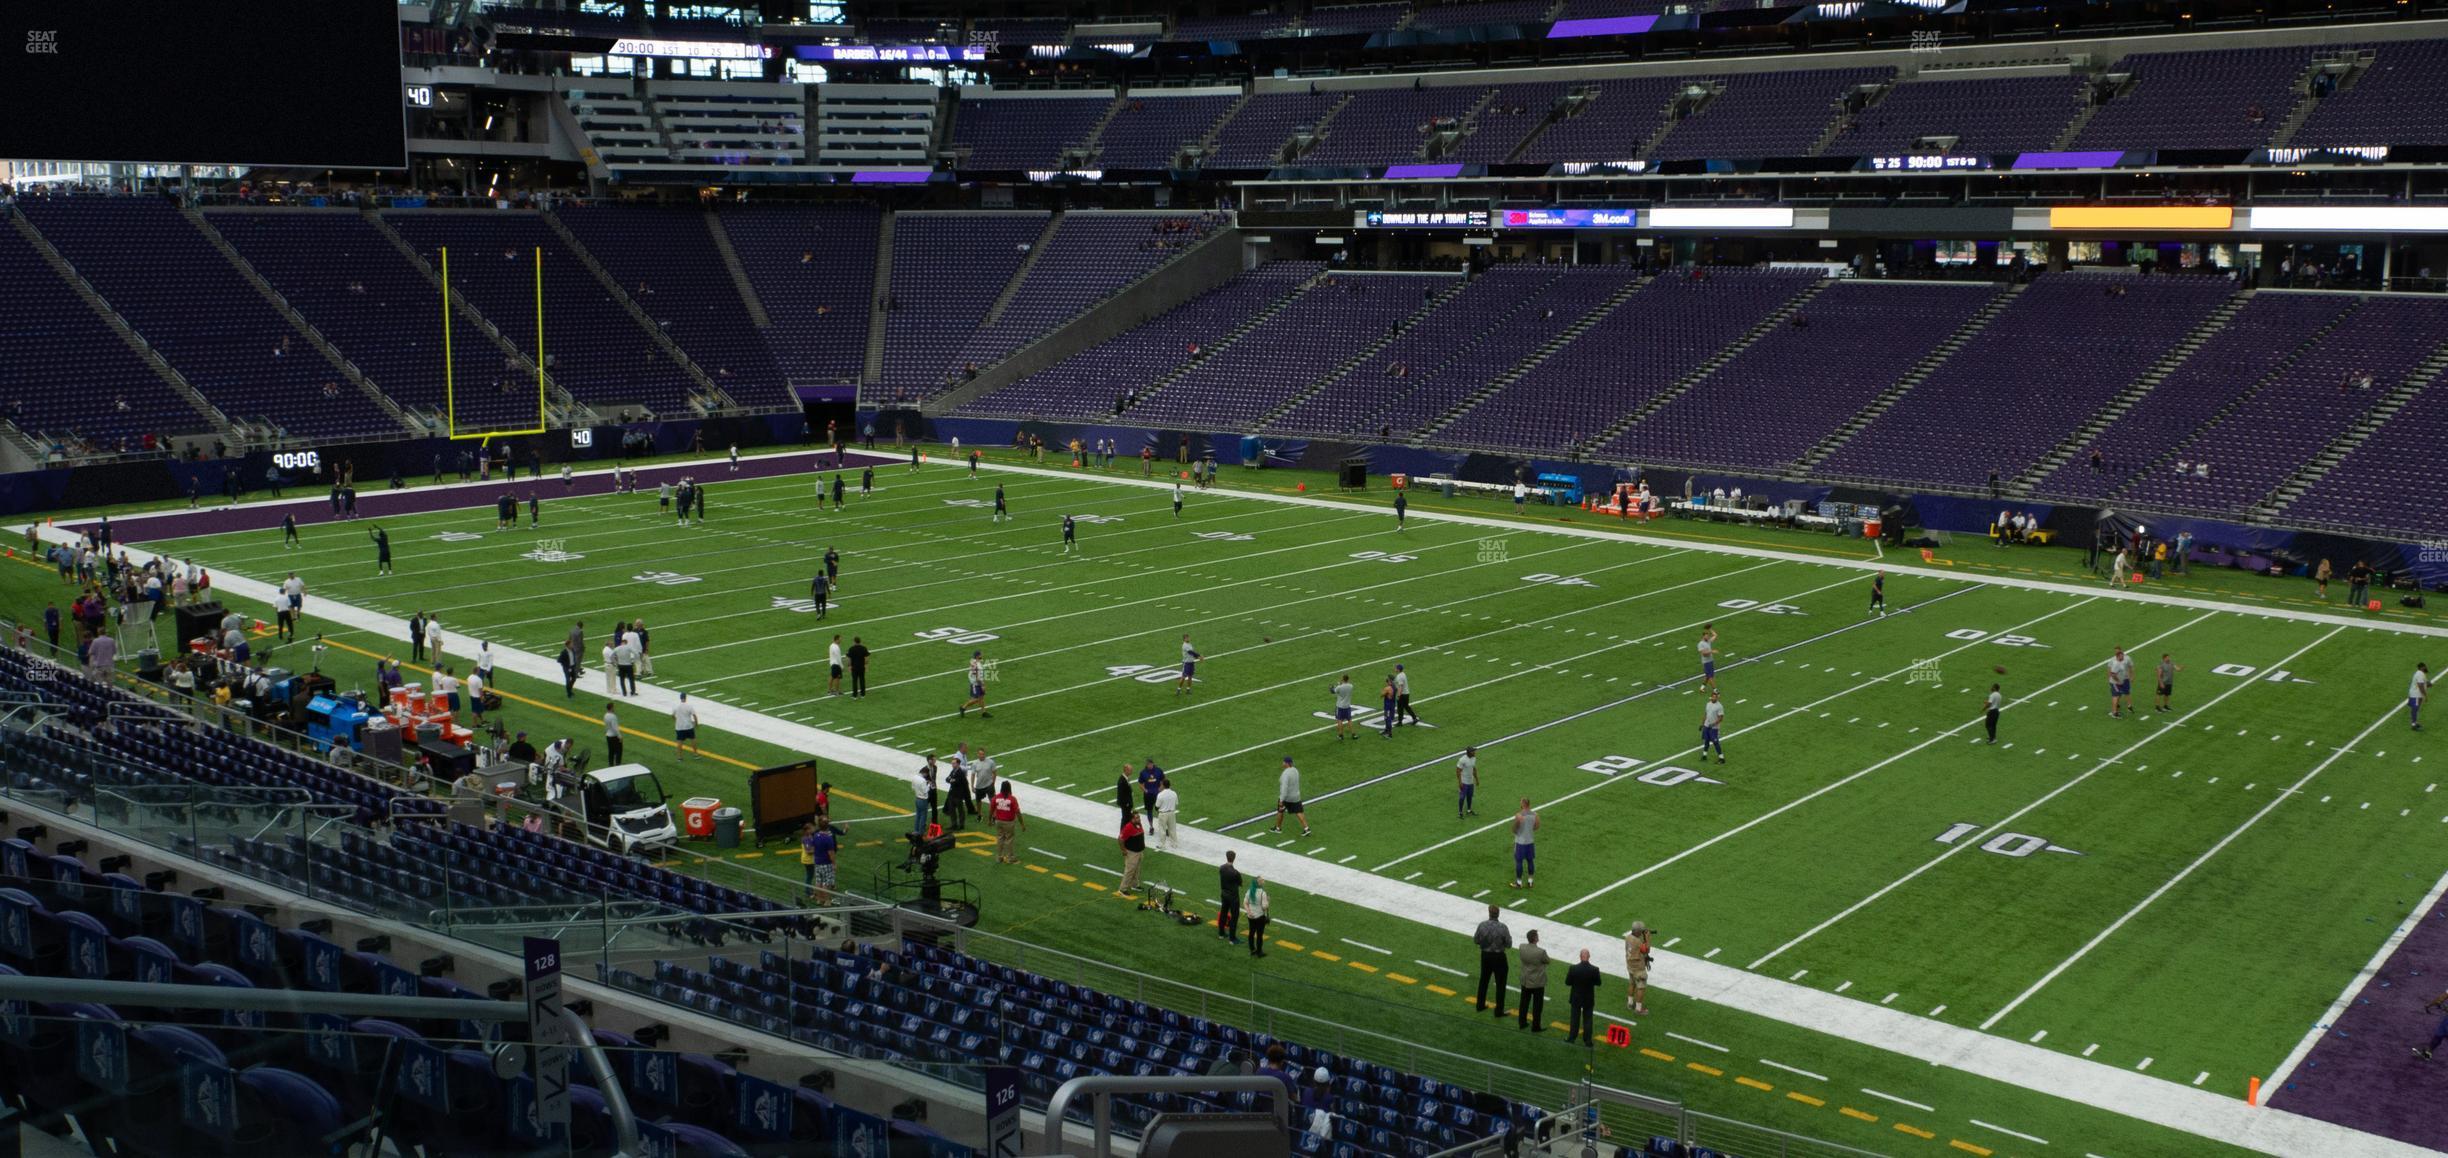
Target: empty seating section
[1458, 325]
[947, 271]
[2199, 100]
[1011, 131]
[1660, 333]
[667, 259]
[2390, 482]
[1512, 113]
[1314, 332]
[813, 269]
[1088, 258]
[1766, 114]
[1382, 126]
[1255, 137]
[618, 128]
[1611, 122]
[1092, 381]
[2262, 335]
[182, 294]
[2262, 442]
[1195, 28]
[2032, 376]
[2399, 100]
[1785, 392]
[379, 310]
[932, 1003]
[1553, 299]
[736, 128]
[1465, 13]
[304, 1085]
[1595, 9]
[67, 376]
[1150, 129]
[2011, 114]
[1357, 17]
[592, 346]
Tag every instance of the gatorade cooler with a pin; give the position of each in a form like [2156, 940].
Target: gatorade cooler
[403, 698]
[1399, 480]
[1872, 527]
[697, 816]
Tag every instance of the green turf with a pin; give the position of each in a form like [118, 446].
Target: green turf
[1814, 853]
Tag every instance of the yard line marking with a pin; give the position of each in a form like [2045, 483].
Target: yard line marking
[1823, 790]
[2201, 1077]
[1047, 852]
[1799, 974]
[1793, 1070]
[1671, 944]
[1591, 921]
[1698, 1042]
[1711, 954]
[1902, 1101]
[1440, 968]
[1199, 821]
[1415, 875]
[1532, 730]
[1937, 1011]
[1364, 945]
[2009, 1133]
[1843, 987]
[1103, 869]
[1481, 893]
[1889, 999]
[1450, 884]
[2354, 985]
[1691, 679]
[2090, 1049]
[1347, 860]
[2199, 861]
[2145, 1064]
[2036, 1038]
[1295, 925]
[2018, 814]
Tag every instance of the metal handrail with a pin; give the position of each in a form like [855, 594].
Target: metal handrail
[1101, 1088]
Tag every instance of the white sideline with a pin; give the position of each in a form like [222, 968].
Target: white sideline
[2118, 1090]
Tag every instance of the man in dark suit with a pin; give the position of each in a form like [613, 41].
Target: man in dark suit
[1228, 913]
[416, 637]
[1582, 980]
[1495, 947]
[571, 666]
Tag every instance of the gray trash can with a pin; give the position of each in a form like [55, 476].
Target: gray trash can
[726, 827]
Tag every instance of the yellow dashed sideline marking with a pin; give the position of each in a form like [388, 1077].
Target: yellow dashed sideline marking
[1754, 1083]
[1362, 966]
[1323, 955]
[1848, 1111]
[1401, 978]
[1288, 945]
[1805, 1099]
[1968, 1148]
[1915, 1131]
[1709, 1070]
[1648, 1052]
[1440, 990]
[1037, 868]
[1066, 877]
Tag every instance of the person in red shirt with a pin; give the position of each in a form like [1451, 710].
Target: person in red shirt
[1005, 809]
[1134, 845]
[1147, 461]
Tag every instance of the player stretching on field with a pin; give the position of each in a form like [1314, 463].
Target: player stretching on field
[1711, 718]
[1708, 656]
[977, 686]
[1190, 658]
[382, 549]
[2120, 684]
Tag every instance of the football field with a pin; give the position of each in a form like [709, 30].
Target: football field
[2179, 893]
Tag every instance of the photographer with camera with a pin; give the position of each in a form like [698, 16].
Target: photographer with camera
[1134, 847]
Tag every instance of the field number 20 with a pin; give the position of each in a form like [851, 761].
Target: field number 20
[1383, 557]
[1662, 776]
[1975, 635]
[1762, 608]
[957, 635]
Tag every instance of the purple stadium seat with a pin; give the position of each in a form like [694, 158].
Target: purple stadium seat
[1997, 115]
[1317, 330]
[2398, 100]
[947, 271]
[813, 268]
[1766, 114]
[688, 291]
[67, 375]
[2199, 100]
[2020, 404]
[1030, 130]
[160, 273]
